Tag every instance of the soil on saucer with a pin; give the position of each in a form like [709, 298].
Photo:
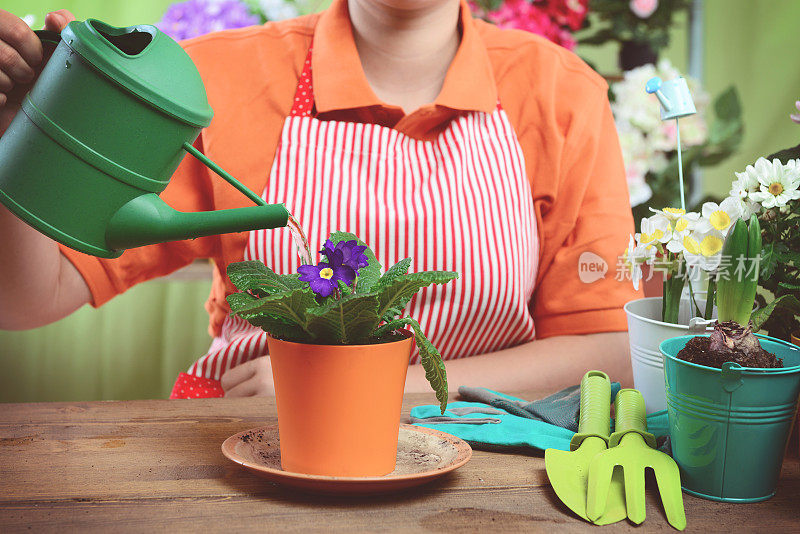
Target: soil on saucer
[697, 351]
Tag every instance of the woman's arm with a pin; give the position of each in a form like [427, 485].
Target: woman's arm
[552, 363]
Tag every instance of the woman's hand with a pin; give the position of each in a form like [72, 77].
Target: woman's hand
[21, 59]
[250, 379]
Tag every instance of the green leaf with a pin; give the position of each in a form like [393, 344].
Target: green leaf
[287, 308]
[788, 257]
[367, 276]
[787, 285]
[256, 277]
[727, 105]
[429, 356]
[395, 271]
[768, 261]
[395, 296]
[277, 327]
[240, 301]
[347, 321]
[292, 281]
[344, 289]
[760, 316]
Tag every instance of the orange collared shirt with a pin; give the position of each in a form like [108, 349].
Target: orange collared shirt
[557, 105]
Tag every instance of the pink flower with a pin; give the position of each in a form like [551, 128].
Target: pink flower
[643, 8]
[796, 117]
[551, 19]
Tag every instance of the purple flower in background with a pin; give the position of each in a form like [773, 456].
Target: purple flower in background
[796, 117]
[198, 17]
[352, 253]
[324, 277]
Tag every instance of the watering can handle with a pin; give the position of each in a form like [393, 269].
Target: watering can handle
[46, 36]
[224, 175]
[595, 414]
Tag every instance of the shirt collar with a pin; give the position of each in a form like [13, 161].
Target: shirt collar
[340, 83]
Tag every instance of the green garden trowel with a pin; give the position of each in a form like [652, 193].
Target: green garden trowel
[632, 447]
[568, 471]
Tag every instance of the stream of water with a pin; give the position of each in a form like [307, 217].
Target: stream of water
[303, 251]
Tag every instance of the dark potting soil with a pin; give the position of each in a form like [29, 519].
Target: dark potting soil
[697, 351]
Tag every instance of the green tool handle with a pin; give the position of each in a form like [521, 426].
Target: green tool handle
[595, 407]
[224, 175]
[630, 414]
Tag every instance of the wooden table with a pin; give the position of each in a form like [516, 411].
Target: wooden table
[157, 466]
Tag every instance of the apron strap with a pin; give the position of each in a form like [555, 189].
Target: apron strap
[303, 104]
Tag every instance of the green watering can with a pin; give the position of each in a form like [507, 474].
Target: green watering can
[105, 126]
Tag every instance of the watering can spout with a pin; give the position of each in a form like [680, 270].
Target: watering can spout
[147, 219]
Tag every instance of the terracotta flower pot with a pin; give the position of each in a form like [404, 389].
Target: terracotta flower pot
[339, 405]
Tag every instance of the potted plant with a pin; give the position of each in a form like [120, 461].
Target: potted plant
[339, 350]
[685, 248]
[732, 396]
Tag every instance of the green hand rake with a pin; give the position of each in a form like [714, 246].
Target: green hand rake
[632, 448]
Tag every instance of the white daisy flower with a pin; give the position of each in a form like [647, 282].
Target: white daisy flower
[720, 217]
[703, 249]
[778, 183]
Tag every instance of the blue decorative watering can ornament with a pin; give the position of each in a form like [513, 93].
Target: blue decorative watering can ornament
[676, 102]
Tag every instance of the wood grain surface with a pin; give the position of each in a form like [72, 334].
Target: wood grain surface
[153, 466]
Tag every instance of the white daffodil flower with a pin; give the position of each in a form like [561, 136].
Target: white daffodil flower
[721, 216]
[672, 214]
[655, 229]
[681, 227]
[703, 249]
[634, 256]
[778, 183]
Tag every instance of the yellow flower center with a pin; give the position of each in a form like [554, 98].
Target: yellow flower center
[681, 224]
[674, 211]
[326, 273]
[720, 220]
[775, 189]
[647, 238]
[691, 245]
[710, 245]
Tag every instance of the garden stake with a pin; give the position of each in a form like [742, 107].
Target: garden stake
[676, 102]
[567, 471]
[632, 448]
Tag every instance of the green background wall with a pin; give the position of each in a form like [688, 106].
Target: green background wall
[135, 345]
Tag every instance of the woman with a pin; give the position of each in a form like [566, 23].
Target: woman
[429, 134]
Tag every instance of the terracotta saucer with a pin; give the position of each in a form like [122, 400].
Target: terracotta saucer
[423, 454]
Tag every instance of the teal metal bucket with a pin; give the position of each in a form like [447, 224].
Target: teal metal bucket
[729, 427]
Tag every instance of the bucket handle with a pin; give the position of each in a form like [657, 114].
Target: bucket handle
[223, 174]
[731, 376]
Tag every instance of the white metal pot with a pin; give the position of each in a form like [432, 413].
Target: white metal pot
[646, 331]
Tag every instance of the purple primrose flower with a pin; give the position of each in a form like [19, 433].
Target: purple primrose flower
[352, 253]
[191, 18]
[323, 277]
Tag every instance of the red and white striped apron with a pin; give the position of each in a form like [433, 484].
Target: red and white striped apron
[460, 203]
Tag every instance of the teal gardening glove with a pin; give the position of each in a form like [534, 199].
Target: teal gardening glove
[491, 420]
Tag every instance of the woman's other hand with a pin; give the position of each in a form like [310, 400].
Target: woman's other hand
[21, 59]
[250, 379]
